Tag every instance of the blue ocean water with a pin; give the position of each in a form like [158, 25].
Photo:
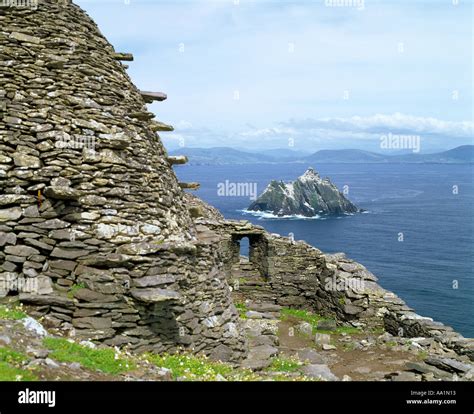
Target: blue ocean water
[431, 269]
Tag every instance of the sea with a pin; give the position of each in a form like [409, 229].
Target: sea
[416, 234]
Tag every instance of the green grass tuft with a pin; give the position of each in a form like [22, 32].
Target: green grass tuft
[12, 357]
[10, 366]
[105, 360]
[422, 355]
[190, 367]
[10, 373]
[242, 309]
[74, 289]
[12, 312]
[313, 319]
[284, 364]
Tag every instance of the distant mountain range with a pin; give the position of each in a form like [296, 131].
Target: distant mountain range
[223, 155]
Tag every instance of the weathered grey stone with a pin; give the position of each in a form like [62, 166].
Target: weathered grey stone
[221, 353]
[157, 280]
[448, 364]
[259, 357]
[51, 300]
[405, 376]
[92, 200]
[311, 356]
[154, 295]
[258, 315]
[21, 250]
[25, 160]
[319, 371]
[62, 193]
[52, 224]
[7, 238]
[92, 323]
[352, 310]
[31, 212]
[88, 295]
[13, 213]
[68, 253]
[8, 199]
[327, 325]
[305, 328]
[23, 37]
[321, 339]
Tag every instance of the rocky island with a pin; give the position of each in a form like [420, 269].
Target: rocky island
[309, 195]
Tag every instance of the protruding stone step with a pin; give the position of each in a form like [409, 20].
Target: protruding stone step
[142, 116]
[177, 160]
[190, 186]
[62, 193]
[153, 295]
[46, 300]
[123, 56]
[157, 126]
[149, 97]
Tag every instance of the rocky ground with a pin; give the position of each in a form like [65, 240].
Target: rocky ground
[285, 344]
[326, 351]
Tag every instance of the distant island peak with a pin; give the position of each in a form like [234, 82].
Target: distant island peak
[309, 195]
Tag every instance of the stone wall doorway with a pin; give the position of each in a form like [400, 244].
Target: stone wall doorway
[251, 251]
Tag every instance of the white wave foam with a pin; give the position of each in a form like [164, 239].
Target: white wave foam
[268, 215]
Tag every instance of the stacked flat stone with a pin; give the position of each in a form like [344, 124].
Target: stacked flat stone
[94, 229]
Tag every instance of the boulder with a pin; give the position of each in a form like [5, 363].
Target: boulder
[319, 371]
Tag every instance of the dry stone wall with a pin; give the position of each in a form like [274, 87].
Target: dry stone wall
[298, 275]
[94, 229]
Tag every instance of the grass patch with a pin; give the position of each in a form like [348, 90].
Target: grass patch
[10, 366]
[191, 367]
[288, 313]
[282, 364]
[12, 312]
[242, 309]
[12, 357]
[422, 355]
[314, 319]
[105, 360]
[377, 331]
[74, 289]
[10, 373]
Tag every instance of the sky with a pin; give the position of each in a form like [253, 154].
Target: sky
[304, 75]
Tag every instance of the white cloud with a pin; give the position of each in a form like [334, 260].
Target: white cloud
[325, 133]
[395, 123]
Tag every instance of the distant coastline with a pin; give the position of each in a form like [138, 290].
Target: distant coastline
[230, 156]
